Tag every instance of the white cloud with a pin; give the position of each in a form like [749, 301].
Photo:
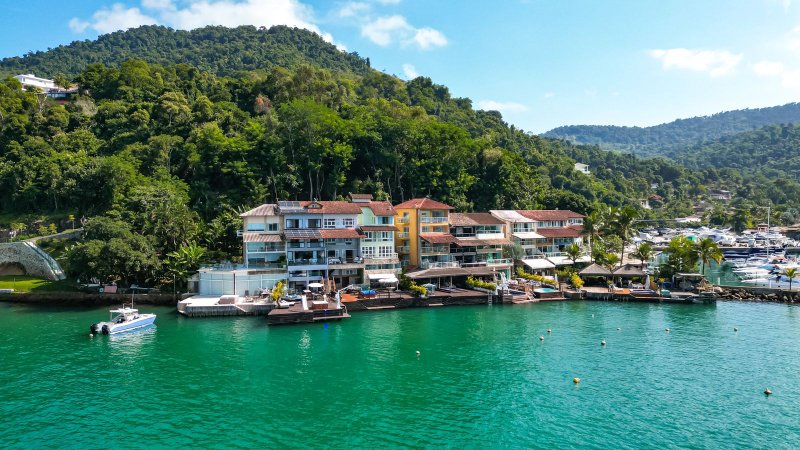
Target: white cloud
[713, 62]
[199, 13]
[549, 94]
[428, 37]
[410, 71]
[388, 29]
[353, 9]
[768, 68]
[388, 2]
[504, 107]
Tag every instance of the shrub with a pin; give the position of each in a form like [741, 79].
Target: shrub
[418, 290]
[576, 281]
[474, 282]
[532, 277]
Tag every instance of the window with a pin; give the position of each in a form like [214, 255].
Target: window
[370, 236]
[330, 223]
[386, 236]
[348, 223]
[314, 223]
[368, 252]
[255, 227]
[348, 242]
[385, 251]
[272, 227]
[292, 224]
[426, 229]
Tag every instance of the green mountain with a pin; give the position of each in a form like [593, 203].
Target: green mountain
[663, 139]
[215, 49]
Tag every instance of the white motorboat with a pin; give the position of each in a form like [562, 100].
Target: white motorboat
[123, 319]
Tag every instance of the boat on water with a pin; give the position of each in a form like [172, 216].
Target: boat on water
[123, 319]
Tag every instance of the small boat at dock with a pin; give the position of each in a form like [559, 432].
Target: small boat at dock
[123, 319]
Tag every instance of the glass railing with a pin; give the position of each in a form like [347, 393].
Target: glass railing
[433, 219]
[404, 249]
[307, 262]
[445, 249]
[402, 235]
[402, 220]
[440, 264]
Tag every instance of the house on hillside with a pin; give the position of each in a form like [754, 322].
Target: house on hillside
[582, 168]
[720, 194]
[48, 87]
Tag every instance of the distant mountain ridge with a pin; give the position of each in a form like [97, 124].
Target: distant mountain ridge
[216, 49]
[665, 138]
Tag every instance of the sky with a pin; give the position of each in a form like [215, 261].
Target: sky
[541, 63]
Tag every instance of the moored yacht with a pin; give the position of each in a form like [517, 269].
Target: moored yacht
[123, 319]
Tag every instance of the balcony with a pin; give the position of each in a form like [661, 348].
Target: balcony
[303, 245]
[403, 235]
[443, 249]
[402, 220]
[308, 262]
[442, 220]
[346, 263]
[404, 249]
[265, 249]
[440, 264]
[267, 266]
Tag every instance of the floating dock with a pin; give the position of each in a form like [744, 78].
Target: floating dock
[296, 314]
[209, 306]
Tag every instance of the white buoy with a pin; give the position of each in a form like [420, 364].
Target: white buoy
[618, 328]
[549, 330]
[667, 330]
[541, 338]
[602, 342]
[735, 329]
[418, 353]
[767, 392]
[576, 380]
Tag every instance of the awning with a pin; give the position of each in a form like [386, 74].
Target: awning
[380, 276]
[389, 280]
[260, 237]
[528, 235]
[438, 238]
[560, 260]
[538, 263]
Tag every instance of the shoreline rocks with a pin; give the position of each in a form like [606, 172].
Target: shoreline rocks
[758, 295]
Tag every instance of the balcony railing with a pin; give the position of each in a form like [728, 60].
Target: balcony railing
[308, 262]
[304, 245]
[281, 266]
[280, 249]
[404, 249]
[433, 219]
[338, 261]
[440, 264]
[390, 256]
[402, 235]
[402, 220]
[441, 249]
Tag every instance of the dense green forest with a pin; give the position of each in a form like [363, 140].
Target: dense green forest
[215, 49]
[661, 139]
[161, 157]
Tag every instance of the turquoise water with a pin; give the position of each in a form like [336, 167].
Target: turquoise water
[483, 379]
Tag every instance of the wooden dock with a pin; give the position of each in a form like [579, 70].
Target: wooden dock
[296, 314]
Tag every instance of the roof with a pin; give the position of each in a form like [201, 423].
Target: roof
[538, 263]
[566, 232]
[422, 203]
[438, 238]
[628, 270]
[438, 272]
[260, 237]
[361, 196]
[378, 228]
[550, 214]
[509, 215]
[294, 235]
[341, 233]
[470, 242]
[527, 235]
[472, 219]
[379, 208]
[595, 270]
[263, 210]
[333, 207]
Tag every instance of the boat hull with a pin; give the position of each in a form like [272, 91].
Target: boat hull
[143, 321]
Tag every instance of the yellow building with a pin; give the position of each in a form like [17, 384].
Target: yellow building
[423, 238]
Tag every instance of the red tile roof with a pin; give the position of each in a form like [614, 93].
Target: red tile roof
[361, 196]
[341, 233]
[422, 203]
[378, 228]
[260, 237]
[550, 214]
[263, 210]
[567, 232]
[472, 219]
[380, 208]
[333, 207]
[438, 238]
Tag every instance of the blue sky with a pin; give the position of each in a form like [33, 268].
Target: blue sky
[542, 63]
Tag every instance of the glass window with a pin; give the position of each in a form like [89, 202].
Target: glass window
[255, 226]
[272, 227]
[348, 223]
[330, 223]
[314, 223]
[292, 223]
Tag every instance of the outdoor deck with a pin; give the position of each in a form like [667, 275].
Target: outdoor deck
[208, 306]
[296, 314]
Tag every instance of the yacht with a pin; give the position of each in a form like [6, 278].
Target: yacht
[123, 319]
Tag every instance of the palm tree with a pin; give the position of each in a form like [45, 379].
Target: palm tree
[707, 250]
[622, 223]
[790, 273]
[515, 252]
[593, 225]
[573, 252]
[643, 252]
[610, 261]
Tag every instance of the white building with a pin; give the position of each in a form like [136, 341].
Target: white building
[582, 168]
[376, 222]
[31, 80]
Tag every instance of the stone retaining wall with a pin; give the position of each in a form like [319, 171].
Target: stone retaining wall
[35, 261]
[86, 299]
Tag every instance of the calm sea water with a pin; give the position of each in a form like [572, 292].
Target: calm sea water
[483, 380]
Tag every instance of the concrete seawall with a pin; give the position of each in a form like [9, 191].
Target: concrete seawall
[87, 299]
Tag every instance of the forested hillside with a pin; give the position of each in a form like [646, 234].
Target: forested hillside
[219, 50]
[663, 139]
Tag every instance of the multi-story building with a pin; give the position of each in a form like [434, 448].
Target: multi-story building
[480, 238]
[559, 228]
[424, 238]
[376, 222]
